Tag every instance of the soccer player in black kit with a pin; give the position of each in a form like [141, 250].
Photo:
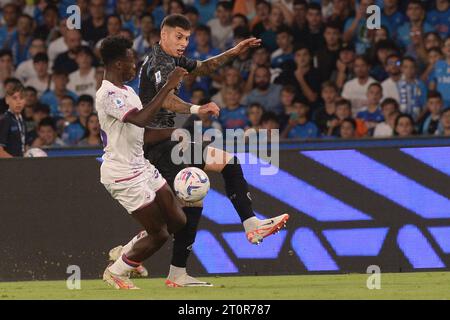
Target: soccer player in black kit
[159, 62]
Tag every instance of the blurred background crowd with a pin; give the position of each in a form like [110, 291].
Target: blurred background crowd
[320, 72]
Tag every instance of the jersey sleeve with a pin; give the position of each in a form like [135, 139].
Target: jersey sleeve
[4, 130]
[116, 106]
[187, 63]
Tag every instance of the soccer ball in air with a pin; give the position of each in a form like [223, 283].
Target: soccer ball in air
[191, 184]
[35, 153]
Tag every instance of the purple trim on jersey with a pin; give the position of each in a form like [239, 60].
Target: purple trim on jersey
[104, 138]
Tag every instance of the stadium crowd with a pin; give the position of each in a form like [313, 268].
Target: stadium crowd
[320, 72]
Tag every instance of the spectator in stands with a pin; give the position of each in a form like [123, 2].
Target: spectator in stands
[432, 40]
[340, 12]
[356, 90]
[285, 51]
[393, 69]
[76, 130]
[344, 66]
[92, 137]
[42, 80]
[47, 135]
[325, 114]
[355, 29]
[124, 9]
[67, 60]
[347, 129]
[6, 69]
[327, 56]
[287, 97]
[372, 114]
[270, 124]
[31, 100]
[239, 20]
[188, 86]
[113, 27]
[143, 42]
[434, 107]
[243, 62]
[404, 125]
[445, 122]
[94, 28]
[82, 81]
[176, 6]
[234, 115]
[20, 41]
[390, 110]
[26, 71]
[439, 18]
[268, 33]
[391, 12]
[221, 29]
[58, 89]
[416, 23]
[40, 111]
[265, 93]
[10, 16]
[260, 58]
[440, 76]
[433, 55]
[344, 111]
[303, 76]
[13, 130]
[207, 9]
[254, 114]
[412, 91]
[59, 45]
[67, 109]
[299, 127]
[46, 30]
[312, 35]
[381, 50]
[232, 78]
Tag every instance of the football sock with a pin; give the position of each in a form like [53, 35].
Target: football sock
[123, 265]
[184, 239]
[126, 248]
[236, 188]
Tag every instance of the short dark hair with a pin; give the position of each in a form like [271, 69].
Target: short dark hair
[344, 102]
[434, 94]
[6, 52]
[16, 87]
[203, 28]
[85, 98]
[351, 121]
[241, 32]
[397, 120]
[416, 2]
[11, 80]
[68, 97]
[40, 57]
[332, 25]
[176, 20]
[284, 29]
[375, 84]
[227, 5]
[192, 9]
[314, 6]
[269, 116]
[255, 105]
[47, 122]
[390, 101]
[31, 89]
[51, 7]
[114, 48]
[409, 58]
[41, 107]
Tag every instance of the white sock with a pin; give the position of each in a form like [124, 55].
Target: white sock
[175, 272]
[120, 267]
[250, 224]
[126, 248]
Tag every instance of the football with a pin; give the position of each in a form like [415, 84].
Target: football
[191, 184]
[35, 153]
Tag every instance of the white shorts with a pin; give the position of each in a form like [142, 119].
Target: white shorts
[137, 191]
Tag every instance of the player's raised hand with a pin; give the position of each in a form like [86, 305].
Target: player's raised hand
[175, 77]
[244, 45]
[210, 109]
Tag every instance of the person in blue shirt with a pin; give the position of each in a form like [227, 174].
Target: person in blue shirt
[125, 10]
[234, 115]
[58, 89]
[76, 130]
[286, 48]
[440, 76]
[439, 18]
[355, 28]
[372, 115]
[393, 15]
[10, 15]
[416, 14]
[20, 41]
[412, 91]
[206, 8]
[299, 127]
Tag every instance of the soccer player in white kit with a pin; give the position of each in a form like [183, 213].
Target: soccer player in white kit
[125, 173]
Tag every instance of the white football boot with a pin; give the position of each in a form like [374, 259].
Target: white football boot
[267, 227]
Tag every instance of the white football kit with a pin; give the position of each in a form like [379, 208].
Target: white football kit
[125, 173]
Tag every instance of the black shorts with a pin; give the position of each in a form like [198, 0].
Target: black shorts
[160, 156]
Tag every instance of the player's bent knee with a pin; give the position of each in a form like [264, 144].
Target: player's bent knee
[161, 237]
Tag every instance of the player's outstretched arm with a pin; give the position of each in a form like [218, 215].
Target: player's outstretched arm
[211, 65]
[178, 105]
[142, 117]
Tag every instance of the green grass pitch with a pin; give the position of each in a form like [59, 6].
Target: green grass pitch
[422, 285]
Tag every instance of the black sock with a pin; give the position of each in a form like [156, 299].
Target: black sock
[236, 188]
[184, 239]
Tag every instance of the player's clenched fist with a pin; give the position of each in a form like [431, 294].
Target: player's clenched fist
[209, 108]
[175, 77]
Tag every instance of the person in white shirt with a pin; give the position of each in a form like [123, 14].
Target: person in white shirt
[82, 81]
[42, 80]
[26, 70]
[125, 173]
[389, 85]
[355, 90]
[221, 26]
[390, 109]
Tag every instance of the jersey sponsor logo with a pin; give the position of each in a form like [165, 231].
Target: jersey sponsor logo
[158, 77]
[119, 102]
